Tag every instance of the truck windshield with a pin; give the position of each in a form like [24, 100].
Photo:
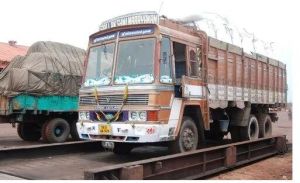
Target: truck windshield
[135, 62]
[99, 66]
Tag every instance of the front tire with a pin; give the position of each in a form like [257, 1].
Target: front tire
[56, 130]
[29, 131]
[187, 139]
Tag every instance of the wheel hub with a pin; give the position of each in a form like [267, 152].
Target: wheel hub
[188, 139]
[58, 131]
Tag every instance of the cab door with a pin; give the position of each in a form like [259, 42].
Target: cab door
[194, 89]
[192, 84]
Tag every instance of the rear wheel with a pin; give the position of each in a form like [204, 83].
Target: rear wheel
[251, 131]
[265, 125]
[29, 131]
[56, 130]
[122, 148]
[187, 139]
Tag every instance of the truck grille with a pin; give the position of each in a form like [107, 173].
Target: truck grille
[133, 99]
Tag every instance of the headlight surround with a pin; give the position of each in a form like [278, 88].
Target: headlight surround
[84, 115]
[137, 115]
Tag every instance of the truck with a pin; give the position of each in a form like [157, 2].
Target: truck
[150, 80]
[39, 92]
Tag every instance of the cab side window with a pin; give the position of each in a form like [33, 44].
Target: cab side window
[179, 51]
[194, 63]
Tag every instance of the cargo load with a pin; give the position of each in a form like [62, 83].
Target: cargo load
[48, 68]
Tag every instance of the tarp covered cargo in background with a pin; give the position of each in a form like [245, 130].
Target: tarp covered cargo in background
[48, 68]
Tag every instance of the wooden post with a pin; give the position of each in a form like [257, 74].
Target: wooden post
[132, 173]
[281, 146]
[230, 159]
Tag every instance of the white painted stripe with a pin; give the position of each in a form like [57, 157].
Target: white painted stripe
[175, 112]
[193, 91]
[212, 91]
[221, 92]
[230, 93]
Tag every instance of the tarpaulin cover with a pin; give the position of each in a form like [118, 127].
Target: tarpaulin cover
[48, 68]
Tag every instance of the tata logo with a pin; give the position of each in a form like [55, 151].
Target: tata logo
[109, 116]
[107, 100]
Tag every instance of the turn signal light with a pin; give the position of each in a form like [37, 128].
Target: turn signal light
[152, 115]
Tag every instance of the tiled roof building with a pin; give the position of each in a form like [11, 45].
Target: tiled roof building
[8, 51]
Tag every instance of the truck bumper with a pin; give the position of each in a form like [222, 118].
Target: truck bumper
[125, 132]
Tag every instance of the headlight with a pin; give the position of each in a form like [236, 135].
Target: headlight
[84, 115]
[137, 116]
[134, 115]
[143, 116]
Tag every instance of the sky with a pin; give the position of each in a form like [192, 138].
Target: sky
[72, 21]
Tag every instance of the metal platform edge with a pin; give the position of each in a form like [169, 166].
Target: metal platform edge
[193, 165]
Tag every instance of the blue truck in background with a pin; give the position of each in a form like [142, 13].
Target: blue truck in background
[51, 117]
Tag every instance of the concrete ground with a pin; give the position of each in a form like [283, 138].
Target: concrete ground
[275, 168]
[8, 177]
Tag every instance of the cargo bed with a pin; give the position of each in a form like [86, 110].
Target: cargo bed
[51, 117]
[22, 103]
[234, 75]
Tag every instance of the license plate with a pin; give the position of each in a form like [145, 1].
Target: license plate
[105, 129]
[108, 145]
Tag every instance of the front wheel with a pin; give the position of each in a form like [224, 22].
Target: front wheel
[187, 139]
[56, 130]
